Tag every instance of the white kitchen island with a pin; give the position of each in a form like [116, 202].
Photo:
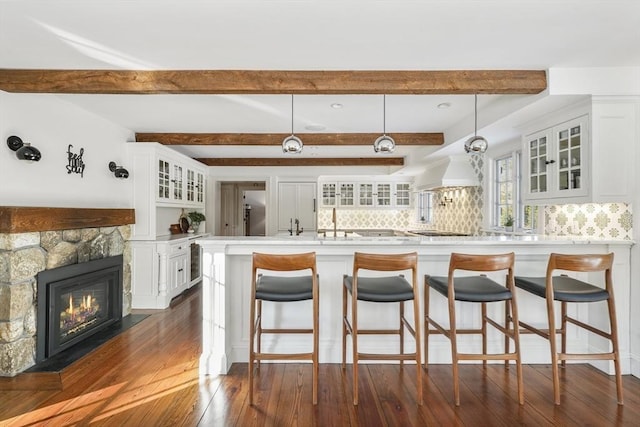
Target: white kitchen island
[227, 277]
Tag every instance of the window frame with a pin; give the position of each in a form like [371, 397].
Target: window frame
[424, 207]
[518, 207]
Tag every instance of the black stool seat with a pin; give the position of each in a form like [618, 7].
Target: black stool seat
[564, 289]
[381, 289]
[471, 289]
[278, 288]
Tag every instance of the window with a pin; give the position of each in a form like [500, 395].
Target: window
[508, 207]
[505, 189]
[424, 205]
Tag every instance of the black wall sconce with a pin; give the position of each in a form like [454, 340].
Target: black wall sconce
[24, 150]
[446, 200]
[118, 171]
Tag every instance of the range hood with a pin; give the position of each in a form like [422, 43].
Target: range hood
[452, 171]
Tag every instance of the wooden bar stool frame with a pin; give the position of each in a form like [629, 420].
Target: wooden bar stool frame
[277, 262]
[477, 263]
[387, 263]
[577, 263]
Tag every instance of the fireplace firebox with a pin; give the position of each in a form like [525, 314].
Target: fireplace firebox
[75, 302]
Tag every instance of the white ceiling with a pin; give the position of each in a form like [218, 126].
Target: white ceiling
[314, 35]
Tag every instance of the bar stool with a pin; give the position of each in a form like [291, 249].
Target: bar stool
[566, 289]
[387, 289]
[476, 289]
[282, 289]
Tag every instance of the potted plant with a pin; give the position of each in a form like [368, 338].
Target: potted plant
[196, 218]
[508, 223]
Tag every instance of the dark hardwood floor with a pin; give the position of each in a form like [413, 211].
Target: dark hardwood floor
[148, 376]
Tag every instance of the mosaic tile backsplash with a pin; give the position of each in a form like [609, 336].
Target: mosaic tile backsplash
[374, 219]
[603, 221]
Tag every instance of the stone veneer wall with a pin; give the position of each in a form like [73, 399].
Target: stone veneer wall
[22, 257]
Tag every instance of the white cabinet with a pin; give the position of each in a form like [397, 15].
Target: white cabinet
[164, 182]
[194, 187]
[587, 158]
[556, 161]
[338, 194]
[177, 270]
[365, 194]
[402, 194]
[171, 182]
[162, 270]
[296, 201]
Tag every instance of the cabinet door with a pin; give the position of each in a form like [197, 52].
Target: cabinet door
[346, 196]
[164, 178]
[191, 186]
[178, 278]
[306, 205]
[402, 195]
[557, 162]
[328, 196]
[365, 194]
[537, 152]
[200, 188]
[383, 194]
[296, 200]
[570, 160]
[177, 182]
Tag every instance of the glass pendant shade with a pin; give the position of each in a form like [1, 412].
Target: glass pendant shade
[384, 144]
[292, 145]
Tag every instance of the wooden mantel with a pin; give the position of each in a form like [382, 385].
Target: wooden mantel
[24, 219]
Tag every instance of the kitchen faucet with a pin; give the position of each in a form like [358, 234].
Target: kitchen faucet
[298, 229]
[335, 222]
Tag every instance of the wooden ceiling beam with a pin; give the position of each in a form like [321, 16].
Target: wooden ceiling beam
[304, 161]
[265, 139]
[273, 82]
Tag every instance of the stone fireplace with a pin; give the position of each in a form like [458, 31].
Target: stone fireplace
[75, 302]
[25, 252]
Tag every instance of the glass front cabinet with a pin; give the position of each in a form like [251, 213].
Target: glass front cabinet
[556, 162]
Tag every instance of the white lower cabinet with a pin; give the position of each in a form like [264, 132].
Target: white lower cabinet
[160, 271]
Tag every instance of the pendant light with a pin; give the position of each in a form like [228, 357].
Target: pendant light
[476, 144]
[384, 144]
[292, 144]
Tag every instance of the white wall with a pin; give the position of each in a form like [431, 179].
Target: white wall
[51, 124]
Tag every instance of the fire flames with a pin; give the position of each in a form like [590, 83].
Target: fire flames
[79, 315]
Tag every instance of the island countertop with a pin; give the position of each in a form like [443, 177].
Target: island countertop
[227, 277]
[412, 240]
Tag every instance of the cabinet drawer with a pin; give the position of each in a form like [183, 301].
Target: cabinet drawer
[178, 248]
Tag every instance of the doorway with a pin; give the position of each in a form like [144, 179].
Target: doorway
[255, 202]
[240, 216]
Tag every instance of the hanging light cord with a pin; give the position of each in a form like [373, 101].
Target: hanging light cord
[384, 114]
[291, 114]
[475, 126]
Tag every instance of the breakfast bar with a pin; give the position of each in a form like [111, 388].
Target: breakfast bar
[227, 274]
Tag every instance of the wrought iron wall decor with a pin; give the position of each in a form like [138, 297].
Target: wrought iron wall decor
[76, 164]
